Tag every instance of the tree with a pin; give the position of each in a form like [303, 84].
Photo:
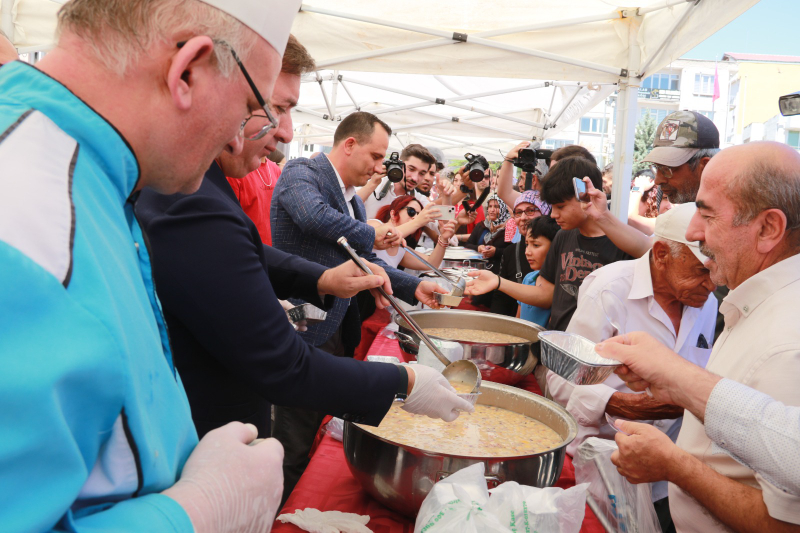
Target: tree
[643, 141]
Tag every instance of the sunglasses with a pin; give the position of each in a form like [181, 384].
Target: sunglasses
[272, 122]
[529, 211]
[411, 211]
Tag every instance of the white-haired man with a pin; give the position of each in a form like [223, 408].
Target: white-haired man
[748, 224]
[97, 433]
[665, 293]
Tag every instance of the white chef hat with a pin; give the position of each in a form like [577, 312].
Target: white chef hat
[271, 19]
[673, 224]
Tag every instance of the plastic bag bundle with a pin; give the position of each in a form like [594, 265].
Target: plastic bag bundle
[462, 503]
[551, 509]
[456, 503]
[625, 508]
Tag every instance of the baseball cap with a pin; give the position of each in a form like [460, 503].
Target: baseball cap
[271, 19]
[533, 197]
[673, 224]
[681, 135]
[439, 155]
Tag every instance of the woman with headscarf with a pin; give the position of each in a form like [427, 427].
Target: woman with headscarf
[488, 237]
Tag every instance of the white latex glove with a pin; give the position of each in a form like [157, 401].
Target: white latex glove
[229, 487]
[433, 396]
[316, 521]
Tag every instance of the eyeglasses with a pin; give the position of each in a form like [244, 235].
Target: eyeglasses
[411, 211]
[663, 169]
[529, 211]
[272, 121]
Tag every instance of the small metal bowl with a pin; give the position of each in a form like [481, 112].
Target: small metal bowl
[447, 299]
[308, 313]
[573, 358]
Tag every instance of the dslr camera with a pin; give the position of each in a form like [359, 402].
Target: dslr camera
[529, 157]
[395, 169]
[476, 167]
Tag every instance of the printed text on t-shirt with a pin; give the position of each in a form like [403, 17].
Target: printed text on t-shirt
[575, 267]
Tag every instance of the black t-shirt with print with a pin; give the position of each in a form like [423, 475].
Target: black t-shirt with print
[571, 258]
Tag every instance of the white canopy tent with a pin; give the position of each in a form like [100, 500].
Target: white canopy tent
[590, 41]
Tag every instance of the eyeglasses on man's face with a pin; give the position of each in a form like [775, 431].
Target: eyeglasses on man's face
[664, 170]
[529, 212]
[271, 121]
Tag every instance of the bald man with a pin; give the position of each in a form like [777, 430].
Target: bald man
[748, 225]
[8, 52]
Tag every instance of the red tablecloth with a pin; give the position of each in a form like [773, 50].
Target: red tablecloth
[328, 485]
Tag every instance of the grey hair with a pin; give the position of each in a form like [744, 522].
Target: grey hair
[675, 247]
[766, 185]
[121, 32]
[694, 161]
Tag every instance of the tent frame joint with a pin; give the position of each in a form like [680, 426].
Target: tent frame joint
[460, 37]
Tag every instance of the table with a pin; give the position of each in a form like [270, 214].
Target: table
[328, 485]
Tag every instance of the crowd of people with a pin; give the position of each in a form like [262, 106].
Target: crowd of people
[154, 383]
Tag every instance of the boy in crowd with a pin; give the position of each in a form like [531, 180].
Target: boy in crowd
[541, 233]
[575, 252]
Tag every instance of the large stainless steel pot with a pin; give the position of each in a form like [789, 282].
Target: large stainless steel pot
[500, 362]
[460, 257]
[401, 476]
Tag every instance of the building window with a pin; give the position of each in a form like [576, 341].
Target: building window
[593, 125]
[662, 81]
[704, 84]
[793, 139]
[555, 144]
[657, 114]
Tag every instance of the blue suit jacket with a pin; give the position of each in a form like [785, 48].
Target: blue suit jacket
[233, 346]
[308, 215]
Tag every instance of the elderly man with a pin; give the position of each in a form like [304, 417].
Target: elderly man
[665, 293]
[747, 223]
[95, 423]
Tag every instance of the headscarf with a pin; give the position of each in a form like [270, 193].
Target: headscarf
[529, 197]
[502, 218]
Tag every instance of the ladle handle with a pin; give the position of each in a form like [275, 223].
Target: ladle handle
[422, 335]
[418, 256]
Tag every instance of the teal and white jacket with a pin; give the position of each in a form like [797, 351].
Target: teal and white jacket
[94, 421]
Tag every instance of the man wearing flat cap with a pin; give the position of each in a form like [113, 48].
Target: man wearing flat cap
[96, 429]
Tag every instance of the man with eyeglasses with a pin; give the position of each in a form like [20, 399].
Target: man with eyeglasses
[97, 433]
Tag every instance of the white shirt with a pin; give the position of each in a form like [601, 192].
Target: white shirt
[637, 310]
[759, 348]
[347, 190]
[756, 430]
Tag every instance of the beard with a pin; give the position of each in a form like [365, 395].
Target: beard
[677, 196]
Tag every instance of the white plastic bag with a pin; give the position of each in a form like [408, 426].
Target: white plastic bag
[548, 510]
[335, 428]
[457, 504]
[626, 507]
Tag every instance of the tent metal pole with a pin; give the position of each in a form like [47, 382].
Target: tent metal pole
[498, 115]
[402, 107]
[325, 96]
[355, 104]
[398, 140]
[370, 20]
[309, 111]
[335, 90]
[449, 37]
[498, 91]
[670, 35]
[458, 143]
[547, 55]
[552, 100]
[627, 103]
[669, 3]
[422, 124]
[554, 122]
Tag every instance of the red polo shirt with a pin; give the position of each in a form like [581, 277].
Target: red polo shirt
[254, 192]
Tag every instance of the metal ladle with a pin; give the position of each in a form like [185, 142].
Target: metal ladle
[462, 371]
[458, 287]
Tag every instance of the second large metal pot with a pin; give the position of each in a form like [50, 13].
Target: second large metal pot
[400, 476]
[500, 362]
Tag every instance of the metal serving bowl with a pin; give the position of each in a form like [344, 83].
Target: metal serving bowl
[401, 476]
[573, 358]
[499, 362]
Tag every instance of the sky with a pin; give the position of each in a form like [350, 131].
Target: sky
[769, 27]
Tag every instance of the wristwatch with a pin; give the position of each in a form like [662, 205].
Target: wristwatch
[402, 388]
[636, 189]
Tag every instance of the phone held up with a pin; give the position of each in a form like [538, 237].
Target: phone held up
[448, 212]
[580, 190]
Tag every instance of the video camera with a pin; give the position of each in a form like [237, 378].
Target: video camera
[395, 169]
[476, 167]
[529, 157]
[789, 104]
[527, 160]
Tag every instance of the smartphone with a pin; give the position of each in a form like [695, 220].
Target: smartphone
[448, 212]
[580, 190]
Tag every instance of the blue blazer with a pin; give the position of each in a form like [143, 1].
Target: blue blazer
[232, 344]
[308, 215]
